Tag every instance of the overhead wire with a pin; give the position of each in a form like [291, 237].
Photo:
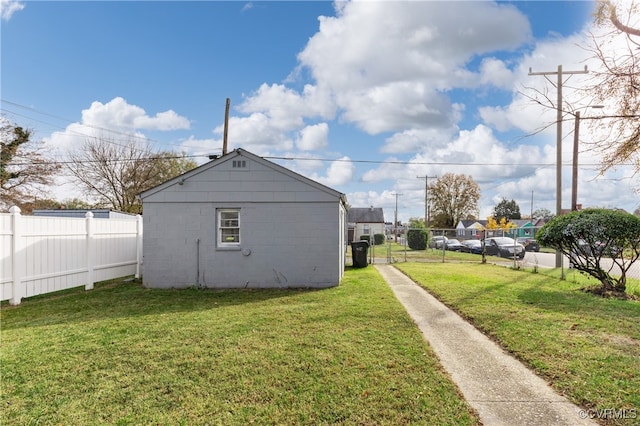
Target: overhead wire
[130, 135]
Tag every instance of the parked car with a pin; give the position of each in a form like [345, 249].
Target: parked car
[437, 241]
[504, 247]
[472, 246]
[453, 245]
[601, 249]
[529, 244]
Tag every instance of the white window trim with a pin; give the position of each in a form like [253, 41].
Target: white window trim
[219, 242]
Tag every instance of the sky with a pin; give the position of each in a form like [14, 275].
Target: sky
[366, 97]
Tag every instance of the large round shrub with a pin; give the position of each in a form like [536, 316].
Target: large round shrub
[417, 239]
[589, 235]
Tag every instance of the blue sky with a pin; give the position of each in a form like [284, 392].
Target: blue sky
[387, 90]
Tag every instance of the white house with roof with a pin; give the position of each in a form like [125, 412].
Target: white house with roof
[241, 221]
[365, 221]
[470, 229]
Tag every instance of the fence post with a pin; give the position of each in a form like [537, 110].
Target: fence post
[17, 256]
[138, 245]
[90, 260]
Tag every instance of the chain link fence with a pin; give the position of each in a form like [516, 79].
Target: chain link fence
[397, 247]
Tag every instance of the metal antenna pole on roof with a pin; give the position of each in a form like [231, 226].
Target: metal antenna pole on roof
[226, 127]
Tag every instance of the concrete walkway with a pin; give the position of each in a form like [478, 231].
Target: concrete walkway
[501, 389]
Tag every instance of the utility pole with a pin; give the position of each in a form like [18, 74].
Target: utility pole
[427, 217]
[531, 216]
[560, 73]
[226, 127]
[574, 166]
[395, 221]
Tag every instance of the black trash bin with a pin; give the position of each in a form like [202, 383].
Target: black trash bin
[359, 253]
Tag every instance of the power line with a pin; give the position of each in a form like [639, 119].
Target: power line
[428, 163]
[403, 163]
[107, 160]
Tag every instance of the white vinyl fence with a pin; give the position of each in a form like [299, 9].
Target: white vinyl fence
[45, 254]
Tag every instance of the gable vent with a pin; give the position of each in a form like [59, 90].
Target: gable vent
[239, 164]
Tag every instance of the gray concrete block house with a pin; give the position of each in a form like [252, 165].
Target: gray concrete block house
[241, 221]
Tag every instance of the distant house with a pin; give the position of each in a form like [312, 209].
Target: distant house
[241, 221]
[524, 228]
[539, 223]
[470, 229]
[365, 221]
[97, 213]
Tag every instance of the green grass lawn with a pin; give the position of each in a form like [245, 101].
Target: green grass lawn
[122, 354]
[399, 253]
[587, 347]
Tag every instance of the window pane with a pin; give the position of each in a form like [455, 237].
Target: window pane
[229, 223]
[230, 235]
[229, 227]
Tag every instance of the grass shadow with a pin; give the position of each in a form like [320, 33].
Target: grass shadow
[125, 299]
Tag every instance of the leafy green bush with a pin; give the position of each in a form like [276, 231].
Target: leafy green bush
[378, 239]
[417, 239]
[589, 235]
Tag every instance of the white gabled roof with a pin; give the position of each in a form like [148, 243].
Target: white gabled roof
[242, 153]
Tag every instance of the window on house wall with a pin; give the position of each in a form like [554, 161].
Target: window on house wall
[366, 230]
[228, 227]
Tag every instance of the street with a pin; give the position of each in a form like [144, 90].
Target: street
[548, 260]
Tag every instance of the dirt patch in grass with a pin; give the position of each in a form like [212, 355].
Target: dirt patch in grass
[598, 290]
[622, 342]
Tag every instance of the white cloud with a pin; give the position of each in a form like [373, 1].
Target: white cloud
[9, 7]
[276, 115]
[419, 140]
[313, 138]
[256, 133]
[120, 115]
[287, 107]
[496, 73]
[201, 147]
[115, 120]
[350, 53]
[391, 76]
[396, 106]
[339, 173]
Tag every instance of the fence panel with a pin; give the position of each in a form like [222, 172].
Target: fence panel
[396, 249]
[45, 254]
[6, 263]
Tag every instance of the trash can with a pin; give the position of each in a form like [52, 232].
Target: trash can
[359, 253]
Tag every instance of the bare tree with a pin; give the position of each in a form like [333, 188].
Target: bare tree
[114, 173]
[455, 197]
[619, 79]
[25, 170]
